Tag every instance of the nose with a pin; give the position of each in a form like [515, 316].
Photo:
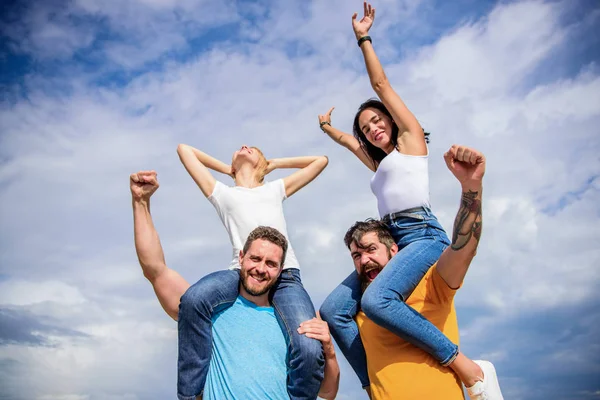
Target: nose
[372, 127]
[260, 267]
[364, 259]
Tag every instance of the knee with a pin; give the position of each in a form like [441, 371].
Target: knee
[195, 298]
[335, 313]
[375, 300]
[201, 292]
[188, 301]
[328, 311]
[309, 351]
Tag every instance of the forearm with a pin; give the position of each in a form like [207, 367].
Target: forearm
[341, 138]
[374, 68]
[455, 260]
[207, 160]
[331, 376]
[468, 221]
[147, 242]
[294, 162]
[349, 142]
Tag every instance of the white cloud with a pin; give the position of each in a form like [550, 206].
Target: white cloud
[22, 293]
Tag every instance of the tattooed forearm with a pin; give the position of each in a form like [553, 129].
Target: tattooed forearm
[468, 220]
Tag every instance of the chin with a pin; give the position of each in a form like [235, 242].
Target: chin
[257, 290]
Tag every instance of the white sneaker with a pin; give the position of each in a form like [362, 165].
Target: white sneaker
[489, 388]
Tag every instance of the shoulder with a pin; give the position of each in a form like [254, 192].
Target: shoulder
[219, 189]
[277, 186]
[435, 288]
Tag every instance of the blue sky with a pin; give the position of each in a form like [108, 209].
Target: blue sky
[92, 92]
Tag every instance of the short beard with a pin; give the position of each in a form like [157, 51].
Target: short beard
[244, 277]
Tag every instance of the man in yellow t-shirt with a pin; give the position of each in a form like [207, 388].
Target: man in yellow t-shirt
[397, 369]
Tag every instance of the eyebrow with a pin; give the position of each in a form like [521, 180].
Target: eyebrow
[371, 119]
[361, 247]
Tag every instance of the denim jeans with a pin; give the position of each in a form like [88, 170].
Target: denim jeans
[217, 291]
[421, 240]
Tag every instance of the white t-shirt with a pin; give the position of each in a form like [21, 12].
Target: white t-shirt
[242, 210]
[401, 182]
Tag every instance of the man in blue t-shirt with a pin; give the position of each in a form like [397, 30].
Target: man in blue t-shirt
[249, 350]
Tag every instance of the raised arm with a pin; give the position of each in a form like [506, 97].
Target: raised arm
[168, 285]
[310, 168]
[197, 163]
[344, 139]
[468, 166]
[318, 329]
[414, 142]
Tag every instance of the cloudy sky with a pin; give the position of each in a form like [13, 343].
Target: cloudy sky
[93, 91]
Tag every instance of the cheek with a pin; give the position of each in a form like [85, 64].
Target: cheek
[386, 126]
[273, 274]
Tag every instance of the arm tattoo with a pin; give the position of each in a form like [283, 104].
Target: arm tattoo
[468, 221]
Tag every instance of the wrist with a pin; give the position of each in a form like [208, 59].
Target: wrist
[140, 202]
[365, 38]
[329, 355]
[472, 186]
[360, 34]
[329, 350]
[324, 124]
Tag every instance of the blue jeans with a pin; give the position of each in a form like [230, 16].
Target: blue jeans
[421, 240]
[217, 291]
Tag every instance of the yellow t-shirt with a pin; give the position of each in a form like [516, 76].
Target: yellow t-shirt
[400, 371]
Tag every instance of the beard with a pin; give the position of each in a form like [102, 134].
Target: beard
[374, 270]
[255, 290]
[366, 279]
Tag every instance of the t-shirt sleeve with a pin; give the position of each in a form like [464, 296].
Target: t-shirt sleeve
[438, 291]
[216, 196]
[278, 187]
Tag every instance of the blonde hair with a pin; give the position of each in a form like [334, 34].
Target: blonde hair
[261, 167]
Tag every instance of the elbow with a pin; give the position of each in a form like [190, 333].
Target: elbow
[152, 271]
[380, 85]
[150, 275]
[182, 148]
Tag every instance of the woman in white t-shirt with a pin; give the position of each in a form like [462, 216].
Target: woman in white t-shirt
[389, 140]
[243, 207]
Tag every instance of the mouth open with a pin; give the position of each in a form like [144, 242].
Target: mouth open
[372, 274]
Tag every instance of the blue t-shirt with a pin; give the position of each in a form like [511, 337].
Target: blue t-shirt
[248, 355]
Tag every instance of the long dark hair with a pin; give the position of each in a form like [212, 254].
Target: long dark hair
[374, 152]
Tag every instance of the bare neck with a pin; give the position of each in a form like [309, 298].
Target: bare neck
[389, 148]
[246, 177]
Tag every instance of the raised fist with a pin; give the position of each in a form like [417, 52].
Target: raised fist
[143, 184]
[466, 164]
